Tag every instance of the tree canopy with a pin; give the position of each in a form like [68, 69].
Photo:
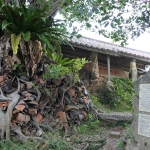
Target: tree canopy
[115, 19]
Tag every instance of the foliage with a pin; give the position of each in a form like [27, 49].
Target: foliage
[32, 24]
[115, 19]
[56, 71]
[119, 96]
[54, 142]
[15, 39]
[64, 66]
[120, 144]
[19, 69]
[96, 102]
[118, 20]
[128, 134]
[97, 146]
[59, 59]
[88, 126]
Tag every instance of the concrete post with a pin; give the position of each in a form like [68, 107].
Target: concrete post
[133, 70]
[108, 66]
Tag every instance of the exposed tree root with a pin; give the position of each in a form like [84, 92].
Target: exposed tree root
[6, 117]
[47, 127]
[9, 115]
[24, 138]
[40, 131]
[111, 117]
[2, 124]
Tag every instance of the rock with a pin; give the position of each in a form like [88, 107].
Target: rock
[68, 139]
[115, 134]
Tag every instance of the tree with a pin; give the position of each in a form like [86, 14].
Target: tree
[116, 19]
[29, 29]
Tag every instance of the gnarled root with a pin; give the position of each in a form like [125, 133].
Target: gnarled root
[9, 115]
[47, 127]
[40, 131]
[24, 138]
[2, 124]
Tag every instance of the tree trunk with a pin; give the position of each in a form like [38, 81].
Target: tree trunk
[110, 117]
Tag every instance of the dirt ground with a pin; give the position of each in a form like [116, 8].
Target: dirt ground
[111, 141]
[99, 139]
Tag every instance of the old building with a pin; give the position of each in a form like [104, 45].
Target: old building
[107, 59]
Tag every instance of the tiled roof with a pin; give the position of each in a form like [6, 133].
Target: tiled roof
[101, 46]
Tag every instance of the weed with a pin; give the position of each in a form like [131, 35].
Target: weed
[133, 139]
[96, 102]
[120, 144]
[101, 132]
[129, 135]
[82, 129]
[94, 146]
[88, 126]
[78, 141]
[54, 142]
[116, 124]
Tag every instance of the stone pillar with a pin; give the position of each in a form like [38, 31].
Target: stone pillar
[133, 70]
[94, 73]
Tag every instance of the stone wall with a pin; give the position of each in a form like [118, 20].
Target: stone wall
[115, 72]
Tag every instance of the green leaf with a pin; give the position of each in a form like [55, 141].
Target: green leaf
[26, 36]
[4, 24]
[105, 18]
[0, 3]
[15, 66]
[106, 24]
[88, 25]
[15, 39]
[47, 52]
[89, 14]
[79, 36]
[47, 42]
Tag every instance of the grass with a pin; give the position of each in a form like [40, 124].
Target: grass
[121, 144]
[53, 142]
[90, 127]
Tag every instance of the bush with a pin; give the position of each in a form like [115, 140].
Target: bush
[88, 126]
[119, 95]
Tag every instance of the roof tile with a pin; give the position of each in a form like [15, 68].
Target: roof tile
[92, 43]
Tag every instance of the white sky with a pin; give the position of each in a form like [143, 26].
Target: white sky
[140, 43]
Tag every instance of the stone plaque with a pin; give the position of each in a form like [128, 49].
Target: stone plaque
[140, 127]
[144, 125]
[144, 97]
